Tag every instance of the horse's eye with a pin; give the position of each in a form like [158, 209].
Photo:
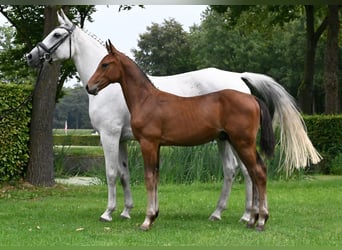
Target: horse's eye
[57, 35]
[104, 65]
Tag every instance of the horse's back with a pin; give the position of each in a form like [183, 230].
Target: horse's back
[200, 82]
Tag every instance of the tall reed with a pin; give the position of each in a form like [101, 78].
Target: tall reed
[177, 164]
[193, 164]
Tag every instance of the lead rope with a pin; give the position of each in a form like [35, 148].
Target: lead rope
[6, 113]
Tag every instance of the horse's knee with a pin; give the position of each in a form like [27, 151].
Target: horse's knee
[111, 179]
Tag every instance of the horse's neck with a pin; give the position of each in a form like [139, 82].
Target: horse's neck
[136, 87]
[88, 53]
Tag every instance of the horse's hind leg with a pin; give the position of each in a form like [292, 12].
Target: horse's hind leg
[124, 179]
[261, 185]
[254, 216]
[229, 169]
[257, 171]
[259, 178]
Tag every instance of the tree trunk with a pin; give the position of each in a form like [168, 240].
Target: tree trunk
[306, 89]
[331, 62]
[40, 168]
[305, 92]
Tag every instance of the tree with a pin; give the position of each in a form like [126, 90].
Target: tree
[275, 50]
[331, 62]
[306, 89]
[164, 49]
[28, 21]
[316, 23]
[40, 168]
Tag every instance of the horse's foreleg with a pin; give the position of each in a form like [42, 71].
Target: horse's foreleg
[229, 168]
[124, 179]
[110, 146]
[150, 154]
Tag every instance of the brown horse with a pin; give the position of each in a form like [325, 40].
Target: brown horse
[159, 118]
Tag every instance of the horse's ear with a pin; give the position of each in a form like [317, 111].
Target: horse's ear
[63, 19]
[110, 47]
[59, 17]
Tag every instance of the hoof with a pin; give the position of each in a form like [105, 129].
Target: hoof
[214, 218]
[260, 228]
[104, 220]
[244, 220]
[245, 217]
[125, 216]
[144, 228]
[250, 225]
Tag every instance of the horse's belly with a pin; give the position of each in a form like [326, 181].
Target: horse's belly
[189, 138]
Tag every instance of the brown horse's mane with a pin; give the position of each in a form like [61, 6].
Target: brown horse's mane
[142, 73]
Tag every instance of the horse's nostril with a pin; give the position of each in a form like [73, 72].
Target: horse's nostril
[29, 56]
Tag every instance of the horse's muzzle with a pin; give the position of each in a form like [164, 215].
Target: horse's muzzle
[91, 91]
[31, 61]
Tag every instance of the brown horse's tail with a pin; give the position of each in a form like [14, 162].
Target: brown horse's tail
[267, 137]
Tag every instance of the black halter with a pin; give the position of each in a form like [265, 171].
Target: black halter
[45, 52]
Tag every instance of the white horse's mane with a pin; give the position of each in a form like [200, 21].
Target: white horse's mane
[96, 38]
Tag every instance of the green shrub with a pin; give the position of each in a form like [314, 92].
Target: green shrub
[14, 133]
[325, 132]
[336, 165]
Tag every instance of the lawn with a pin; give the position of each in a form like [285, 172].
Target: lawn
[302, 213]
[73, 131]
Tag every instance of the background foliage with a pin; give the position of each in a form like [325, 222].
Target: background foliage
[261, 39]
[166, 49]
[325, 133]
[73, 108]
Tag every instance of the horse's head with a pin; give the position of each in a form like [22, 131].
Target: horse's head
[56, 45]
[108, 71]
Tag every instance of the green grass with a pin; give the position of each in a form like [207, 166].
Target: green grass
[302, 213]
[73, 131]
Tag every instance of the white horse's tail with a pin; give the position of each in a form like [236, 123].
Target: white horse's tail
[295, 145]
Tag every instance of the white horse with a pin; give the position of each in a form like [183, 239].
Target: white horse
[112, 120]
